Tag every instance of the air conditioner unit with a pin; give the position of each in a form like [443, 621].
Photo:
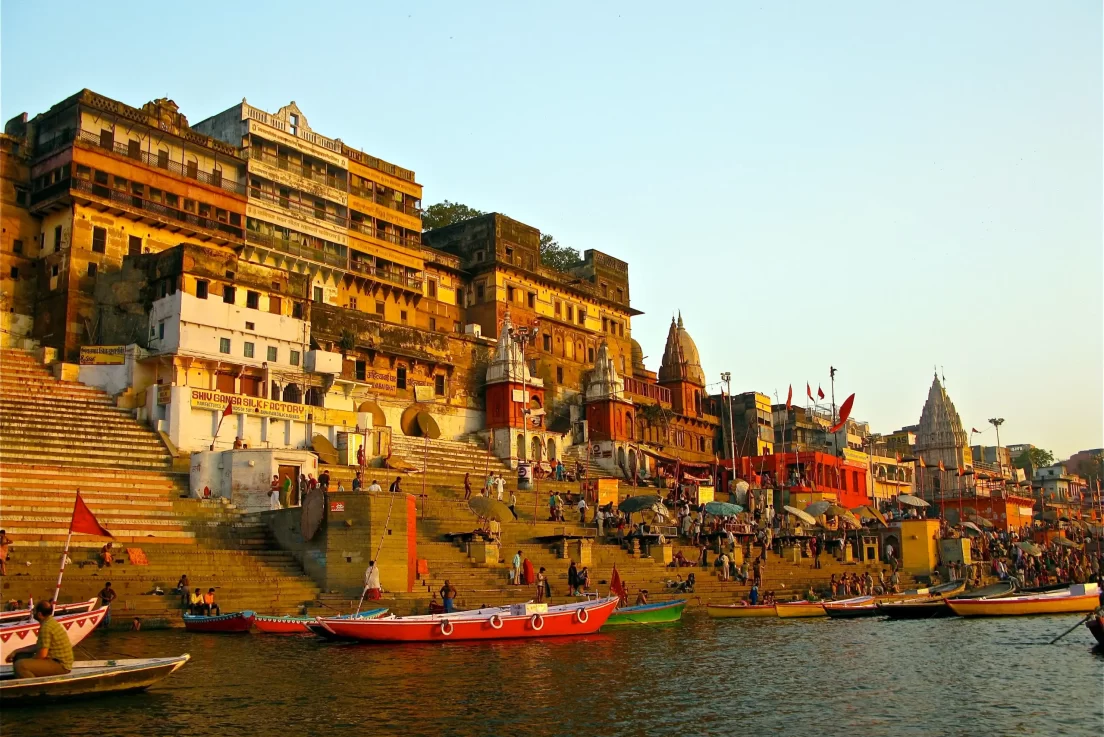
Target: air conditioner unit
[473, 329]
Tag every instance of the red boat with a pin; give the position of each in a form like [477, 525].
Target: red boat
[275, 625]
[1096, 626]
[232, 622]
[583, 618]
[25, 615]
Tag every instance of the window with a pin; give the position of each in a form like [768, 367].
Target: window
[556, 309]
[272, 353]
[107, 139]
[17, 246]
[274, 305]
[431, 289]
[228, 294]
[163, 159]
[439, 385]
[201, 288]
[57, 238]
[99, 239]
[92, 269]
[134, 245]
[379, 307]
[559, 374]
[479, 256]
[297, 310]
[249, 350]
[570, 313]
[510, 294]
[319, 294]
[224, 345]
[250, 326]
[479, 292]
[193, 170]
[15, 272]
[400, 377]
[547, 343]
[582, 316]
[361, 369]
[294, 360]
[590, 357]
[352, 305]
[620, 294]
[532, 301]
[293, 126]
[252, 300]
[161, 330]
[433, 324]
[402, 316]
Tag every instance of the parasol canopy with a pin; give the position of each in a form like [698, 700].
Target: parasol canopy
[1065, 542]
[739, 492]
[723, 509]
[1030, 548]
[639, 503]
[911, 501]
[971, 526]
[485, 506]
[836, 510]
[867, 512]
[850, 520]
[800, 514]
[817, 508]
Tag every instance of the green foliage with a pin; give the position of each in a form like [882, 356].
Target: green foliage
[348, 340]
[555, 256]
[1033, 458]
[446, 213]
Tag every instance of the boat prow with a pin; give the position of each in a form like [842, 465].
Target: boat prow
[859, 606]
[730, 611]
[799, 609]
[663, 612]
[232, 623]
[20, 634]
[1077, 599]
[88, 678]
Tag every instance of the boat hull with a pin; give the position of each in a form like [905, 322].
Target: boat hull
[24, 615]
[799, 609]
[1096, 626]
[272, 625]
[851, 611]
[561, 621]
[929, 609]
[730, 611]
[661, 613]
[87, 679]
[232, 623]
[77, 627]
[1014, 606]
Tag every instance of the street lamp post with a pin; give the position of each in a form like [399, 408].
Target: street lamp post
[997, 422]
[523, 336]
[726, 377]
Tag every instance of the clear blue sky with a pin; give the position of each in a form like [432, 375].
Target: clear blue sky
[883, 187]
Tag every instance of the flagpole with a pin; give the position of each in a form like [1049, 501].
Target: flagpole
[61, 571]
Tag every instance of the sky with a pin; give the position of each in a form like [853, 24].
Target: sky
[885, 188]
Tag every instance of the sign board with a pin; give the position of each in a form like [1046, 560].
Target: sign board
[164, 394]
[103, 355]
[337, 506]
[423, 393]
[242, 404]
[382, 381]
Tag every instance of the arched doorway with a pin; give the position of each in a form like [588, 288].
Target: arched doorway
[551, 449]
[314, 396]
[292, 394]
[537, 449]
[520, 447]
[621, 458]
[632, 463]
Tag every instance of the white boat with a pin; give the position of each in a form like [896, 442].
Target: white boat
[22, 634]
[88, 678]
[25, 615]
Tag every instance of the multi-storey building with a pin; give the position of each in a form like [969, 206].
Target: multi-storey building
[19, 236]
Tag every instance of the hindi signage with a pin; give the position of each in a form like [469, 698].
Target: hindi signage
[103, 355]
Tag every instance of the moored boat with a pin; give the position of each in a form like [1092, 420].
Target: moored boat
[24, 615]
[234, 622]
[88, 678]
[934, 604]
[1096, 627]
[22, 634]
[796, 609]
[727, 611]
[1077, 599]
[859, 606]
[657, 613]
[280, 625]
[521, 621]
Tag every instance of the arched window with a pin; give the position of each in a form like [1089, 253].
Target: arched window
[314, 396]
[292, 394]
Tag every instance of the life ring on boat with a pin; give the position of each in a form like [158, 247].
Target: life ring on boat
[582, 615]
[537, 622]
[495, 621]
[446, 627]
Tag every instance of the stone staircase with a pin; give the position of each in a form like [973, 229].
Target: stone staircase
[58, 438]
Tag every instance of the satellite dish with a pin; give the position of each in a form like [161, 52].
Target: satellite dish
[312, 512]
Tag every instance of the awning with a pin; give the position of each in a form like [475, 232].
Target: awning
[658, 455]
[417, 422]
[324, 448]
[378, 418]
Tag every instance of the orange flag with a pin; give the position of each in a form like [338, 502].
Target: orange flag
[789, 397]
[844, 413]
[84, 522]
[922, 464]
[941, 467]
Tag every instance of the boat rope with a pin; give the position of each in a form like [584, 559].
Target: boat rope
[383, 537]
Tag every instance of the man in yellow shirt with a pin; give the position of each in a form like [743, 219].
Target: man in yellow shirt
[53, 655]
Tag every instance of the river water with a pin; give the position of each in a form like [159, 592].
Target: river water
[702, 676]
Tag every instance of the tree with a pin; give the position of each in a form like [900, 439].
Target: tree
[1091, 468]
[446, 213]
[1033, 458]
[555, 256]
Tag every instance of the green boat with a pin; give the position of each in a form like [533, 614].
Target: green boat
[661, 612]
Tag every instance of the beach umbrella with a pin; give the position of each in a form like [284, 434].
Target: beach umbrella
[659, 510]
[1065, 542]
[850, 520]
[485, 506]
[836, 510]
[800, 514]
[817, 508]
[1030, 548]
[971, 526]
[723, 509]
[866, 512]
[632, 504]
[911, 501]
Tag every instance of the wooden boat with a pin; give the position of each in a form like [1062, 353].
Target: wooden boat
[234, 622]
[77, 626]
[859, 606]
[1096, 626]
[567, 619]
[933, 604]
[726, 611]
[88, 678]
[24, 615]
[1074, 600]
[658, 613]
[274, 625]
[795, 609]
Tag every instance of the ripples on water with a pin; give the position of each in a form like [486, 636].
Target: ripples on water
[703, 676]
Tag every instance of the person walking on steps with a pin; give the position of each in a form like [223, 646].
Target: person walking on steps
[467, 486]
[106, 596]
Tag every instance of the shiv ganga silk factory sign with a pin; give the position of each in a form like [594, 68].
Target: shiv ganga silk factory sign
[245, 405]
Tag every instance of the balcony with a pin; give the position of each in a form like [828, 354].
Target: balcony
[298, 208]
[285, 164]
[654, 392]
[214, 179]
[381, 198]
[201, 226]
[296, 249]
[411, 241]
[393, 276]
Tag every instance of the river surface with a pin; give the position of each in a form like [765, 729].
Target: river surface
[702, 676]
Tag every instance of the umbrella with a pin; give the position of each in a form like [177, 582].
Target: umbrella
[1030, 548]
[836, 510]
[484, 506]
[1066, 542]
[659, 510]
[817, 508]
[851, 520]
[871, 513]
[723, 509]
[631, 504]
[971, 526]
[801, 515]
[911, 501]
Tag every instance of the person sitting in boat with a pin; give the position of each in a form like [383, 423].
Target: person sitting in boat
[52, 655]
[811, 595]
[195, 603]
[210, 605]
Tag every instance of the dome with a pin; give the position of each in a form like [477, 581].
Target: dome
[637, 357]
[680, 357]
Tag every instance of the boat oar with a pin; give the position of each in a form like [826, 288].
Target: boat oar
[1071, 629]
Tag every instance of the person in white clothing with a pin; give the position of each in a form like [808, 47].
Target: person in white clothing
[375, 487]
[274, 500]
[500, 486]
[582, 510]
[372, 588]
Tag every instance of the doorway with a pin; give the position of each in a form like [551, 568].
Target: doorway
[290, 472]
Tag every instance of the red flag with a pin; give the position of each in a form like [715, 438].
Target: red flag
[229, 409]
[844, 413]
[941, 467]
[820, 392]
[84, 522]
[789, 397]
[974, 429]
[922, 464]
[898, 456]
[808, 390]
[962, 470]
[616, 587]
